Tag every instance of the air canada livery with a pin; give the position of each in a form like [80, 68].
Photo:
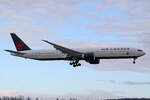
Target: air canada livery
[91, 56]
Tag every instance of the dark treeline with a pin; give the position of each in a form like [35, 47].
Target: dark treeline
[28, 98]
[17, 98]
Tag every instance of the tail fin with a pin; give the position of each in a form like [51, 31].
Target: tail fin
[20, 45]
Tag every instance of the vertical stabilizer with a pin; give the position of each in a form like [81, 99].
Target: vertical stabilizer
[20, 45]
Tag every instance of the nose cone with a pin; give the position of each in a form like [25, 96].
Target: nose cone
[143, 53]
[140, 52]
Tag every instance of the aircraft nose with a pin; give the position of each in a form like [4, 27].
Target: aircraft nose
[144, 53]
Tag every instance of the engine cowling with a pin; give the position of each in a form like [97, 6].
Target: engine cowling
[96, 61]
[90, 58]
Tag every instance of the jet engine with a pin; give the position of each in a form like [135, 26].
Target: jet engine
[96, 61]
[90, 58]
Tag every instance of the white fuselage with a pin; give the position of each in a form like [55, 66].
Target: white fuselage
[101, 53]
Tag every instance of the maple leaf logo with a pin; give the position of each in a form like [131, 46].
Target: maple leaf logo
[20, 45]
[127, 53]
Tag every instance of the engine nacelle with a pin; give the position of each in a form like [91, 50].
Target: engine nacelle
[96, 61]
[89, 56]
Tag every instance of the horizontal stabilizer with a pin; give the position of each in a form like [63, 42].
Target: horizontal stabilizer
[16, 52]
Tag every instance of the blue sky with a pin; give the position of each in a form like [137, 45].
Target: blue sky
[75, 24]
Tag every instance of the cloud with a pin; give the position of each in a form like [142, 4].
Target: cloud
[134, 9]
[35, 17]
[136, 83]
[119, 65]
[125, 82]
[144, 38]
[54, 9]
[113, 16]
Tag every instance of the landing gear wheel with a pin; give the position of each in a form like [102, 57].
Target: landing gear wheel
[134, 60]
[79, 64]
[71, 63]
[75, 63]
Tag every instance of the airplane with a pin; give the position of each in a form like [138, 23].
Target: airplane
[92, 56]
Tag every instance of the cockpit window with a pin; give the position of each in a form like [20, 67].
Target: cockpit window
[139, 50]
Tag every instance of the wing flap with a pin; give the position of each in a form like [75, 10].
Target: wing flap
[64, 49]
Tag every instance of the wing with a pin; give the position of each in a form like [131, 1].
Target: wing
[15, 52]
[64, 49]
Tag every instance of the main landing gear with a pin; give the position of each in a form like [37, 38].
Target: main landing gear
[75, 63]
[134, 60]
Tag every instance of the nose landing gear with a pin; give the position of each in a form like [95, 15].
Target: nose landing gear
[134, 60]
